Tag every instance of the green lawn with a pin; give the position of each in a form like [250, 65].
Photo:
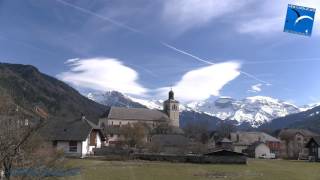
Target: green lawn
[143, 170]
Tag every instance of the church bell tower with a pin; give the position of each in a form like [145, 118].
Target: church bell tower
[171, 108]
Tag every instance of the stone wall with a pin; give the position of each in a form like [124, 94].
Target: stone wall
[202, 159]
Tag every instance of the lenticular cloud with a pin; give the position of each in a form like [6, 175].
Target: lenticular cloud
[102, 74]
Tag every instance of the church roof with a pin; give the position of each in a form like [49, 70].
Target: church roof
[141, 114]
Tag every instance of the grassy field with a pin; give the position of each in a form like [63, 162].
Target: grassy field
[142, 170]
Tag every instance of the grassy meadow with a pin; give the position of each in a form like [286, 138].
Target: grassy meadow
[144, 170]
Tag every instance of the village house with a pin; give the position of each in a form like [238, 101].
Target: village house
[76, 138]
[293, 143]
[259, 150]
[243, 140]
[224, 143]
[314, 148]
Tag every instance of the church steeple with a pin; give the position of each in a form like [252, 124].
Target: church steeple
[171, 107]
[171, 95]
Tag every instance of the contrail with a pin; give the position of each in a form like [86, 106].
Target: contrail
[186, 53]
[282, 61]
[142, 33]
[211, 63]
[254, 77]
[101, 17]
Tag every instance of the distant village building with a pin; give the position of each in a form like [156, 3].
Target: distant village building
[293, 143]
[314, 148]
[119, 116]
[243, 140]
[76, 138]
[224, 143]
[259, 150]
[169, 143]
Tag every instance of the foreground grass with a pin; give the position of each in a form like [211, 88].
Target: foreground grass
[143, 170]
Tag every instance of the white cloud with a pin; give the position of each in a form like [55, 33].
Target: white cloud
[255, 88]
[72, 60]
[262, 25]
[102, 74]
[185, 14]
[200, 84]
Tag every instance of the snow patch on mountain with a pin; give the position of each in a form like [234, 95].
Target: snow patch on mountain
[255, 110]
[309, 106]
[151, 104]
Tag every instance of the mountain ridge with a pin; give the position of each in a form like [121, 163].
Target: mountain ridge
[25, 86]
[255, 110]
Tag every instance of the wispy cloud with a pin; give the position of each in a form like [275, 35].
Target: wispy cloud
[256, 88]
[102, 74]
[188, 6]
[262, 25]
[201, 83]
[187, 14]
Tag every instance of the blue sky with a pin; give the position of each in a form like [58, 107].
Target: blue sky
[201, 48]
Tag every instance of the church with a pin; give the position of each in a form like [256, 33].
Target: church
[116, 117]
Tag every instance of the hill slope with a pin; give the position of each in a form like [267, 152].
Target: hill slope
[25, 86]
[309, 119]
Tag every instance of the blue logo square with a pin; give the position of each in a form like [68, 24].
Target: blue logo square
[299, 20]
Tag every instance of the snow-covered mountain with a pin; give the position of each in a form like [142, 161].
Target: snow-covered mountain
[254, 110]
[309, 106]
[113, 98]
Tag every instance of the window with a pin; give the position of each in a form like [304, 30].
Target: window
[73, 146]
[174, 107]
[55, 143]
[26, 122]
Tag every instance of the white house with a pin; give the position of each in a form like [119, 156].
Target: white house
[242, 141]
[259, 150]
[77, 138]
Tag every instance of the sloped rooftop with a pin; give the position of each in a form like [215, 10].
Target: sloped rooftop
[141, 114]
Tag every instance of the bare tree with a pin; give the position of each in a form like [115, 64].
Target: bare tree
[225, 128]
[198, 132]
[21, 145]
[134, 134]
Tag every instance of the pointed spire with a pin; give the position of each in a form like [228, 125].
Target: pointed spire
[171, 94]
